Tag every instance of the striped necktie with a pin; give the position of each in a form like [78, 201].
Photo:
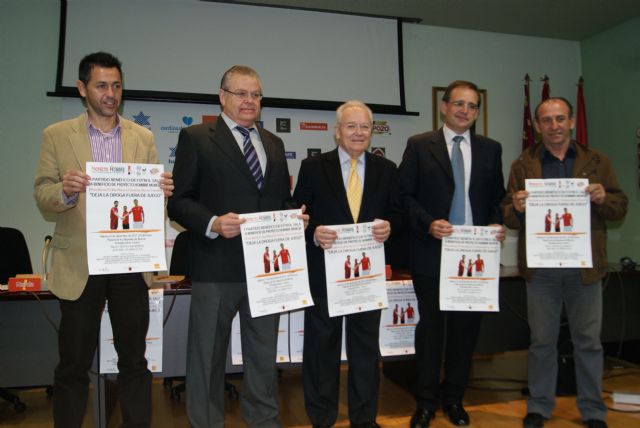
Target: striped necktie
[251, 156]
[457, 213]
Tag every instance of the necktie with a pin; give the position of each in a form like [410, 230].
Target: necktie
[354, 190]
[456, 215]
[251, 156]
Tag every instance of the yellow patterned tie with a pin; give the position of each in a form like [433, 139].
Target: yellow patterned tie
[354, 190]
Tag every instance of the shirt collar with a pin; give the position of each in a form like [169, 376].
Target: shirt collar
[345, 158]
[545, 154]
[449, 134]
[114, 131]
[232, 125]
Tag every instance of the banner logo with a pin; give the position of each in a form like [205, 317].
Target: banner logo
[313, 126]
[381, 127]
[283, 125]
[142, 119]
[379, 151]
[313, 152]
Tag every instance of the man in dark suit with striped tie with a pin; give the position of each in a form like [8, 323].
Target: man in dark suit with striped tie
[447, 177]
[223, 169]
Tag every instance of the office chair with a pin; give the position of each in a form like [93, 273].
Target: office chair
[180, 266]
[14, 259]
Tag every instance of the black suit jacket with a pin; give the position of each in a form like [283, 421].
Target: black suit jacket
[321, 188]
[211, 177]
[427, 187]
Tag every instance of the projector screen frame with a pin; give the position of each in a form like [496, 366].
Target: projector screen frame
[202, 98]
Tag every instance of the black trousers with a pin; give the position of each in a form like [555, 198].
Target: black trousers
[455, 333]
[321, 363]
[77, 341]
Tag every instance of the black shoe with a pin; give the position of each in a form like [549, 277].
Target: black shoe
[322, 426]
[595, 423]
[365, 425]
[457, 415]
[533, 420]
[422, 418]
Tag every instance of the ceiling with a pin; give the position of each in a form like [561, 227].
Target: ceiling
[558, 19]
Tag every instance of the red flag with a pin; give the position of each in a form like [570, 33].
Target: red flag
[527, 126]
[581, 118]
[545, 88]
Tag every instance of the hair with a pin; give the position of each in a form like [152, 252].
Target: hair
[461, 84]
[561, 99]
[97, 59]
[352, 104]
[242, 70]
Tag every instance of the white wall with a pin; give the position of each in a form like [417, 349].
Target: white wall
[28, 42]
[433, 57]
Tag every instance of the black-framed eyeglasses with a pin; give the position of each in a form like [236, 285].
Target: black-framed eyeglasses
[245, 95]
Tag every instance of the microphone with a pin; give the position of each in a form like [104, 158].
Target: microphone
[44, 257]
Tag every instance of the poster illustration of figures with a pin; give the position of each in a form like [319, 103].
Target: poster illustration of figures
[125, 218]
[108, 358]
[398, 321]
[275, 259]
[470, 270]
[558, 224]
[355, 271]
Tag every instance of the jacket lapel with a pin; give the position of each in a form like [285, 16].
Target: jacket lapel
[331, 166]
[129, 142]
[477, 154]
[221, 136]
[79, 140]
[438, 147]
[270, 152]
[372, 174]
[583, 162]
[534, 169]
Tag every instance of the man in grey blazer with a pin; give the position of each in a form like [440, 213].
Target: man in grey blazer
[223, 169]
[98, 135]
[429, 186]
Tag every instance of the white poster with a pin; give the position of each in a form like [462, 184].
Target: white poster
[107, 352]
[282, 351]
[282, 354]
[398, 321]
[125, 218]
[275, 259]
[296, 335]
[558, 225]
[470, 270]
[355, 271]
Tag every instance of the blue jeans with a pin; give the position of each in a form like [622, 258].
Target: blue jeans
[546, 293]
